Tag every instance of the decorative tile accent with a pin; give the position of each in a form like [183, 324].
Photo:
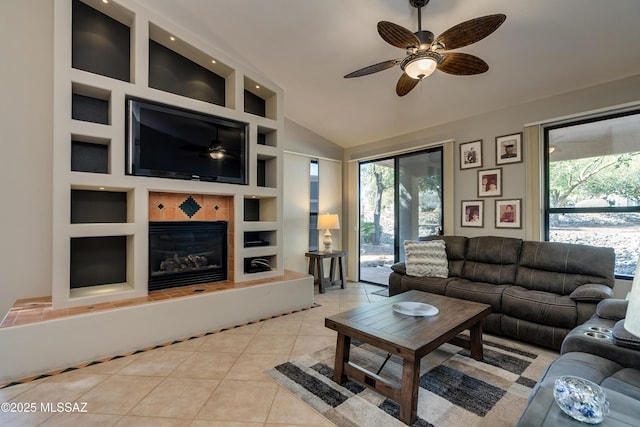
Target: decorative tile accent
[190, 207]
[216, 207]
[160, 206]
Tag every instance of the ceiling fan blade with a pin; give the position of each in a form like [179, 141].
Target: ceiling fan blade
[462, 64]
[470, 31]
[405, 84]
[397, 36]
[373, 68]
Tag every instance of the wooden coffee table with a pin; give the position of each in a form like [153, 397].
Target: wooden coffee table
[409, 337]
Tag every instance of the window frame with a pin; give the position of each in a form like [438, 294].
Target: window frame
[546, 209]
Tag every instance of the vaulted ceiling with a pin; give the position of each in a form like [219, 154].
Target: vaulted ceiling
[544, 48]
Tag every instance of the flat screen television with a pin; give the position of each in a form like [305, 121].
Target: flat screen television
[171, 142]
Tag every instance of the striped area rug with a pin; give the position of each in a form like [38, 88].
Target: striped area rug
[455, 390]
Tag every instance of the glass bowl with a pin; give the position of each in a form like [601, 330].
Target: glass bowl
[581, 399]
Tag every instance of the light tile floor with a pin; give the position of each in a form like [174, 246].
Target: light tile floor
[215, 380]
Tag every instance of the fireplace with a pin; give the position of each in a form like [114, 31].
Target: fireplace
[183, 253]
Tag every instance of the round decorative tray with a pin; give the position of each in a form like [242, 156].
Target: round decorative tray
[581, 399]
[414, 309]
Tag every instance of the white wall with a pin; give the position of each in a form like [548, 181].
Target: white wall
[26, 126]
[301, 146]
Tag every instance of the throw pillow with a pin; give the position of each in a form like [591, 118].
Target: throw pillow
[426, 258]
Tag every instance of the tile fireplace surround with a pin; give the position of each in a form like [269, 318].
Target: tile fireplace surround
[195, 207]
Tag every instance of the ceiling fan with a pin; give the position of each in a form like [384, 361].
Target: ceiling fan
[426, 53]
[215, 150]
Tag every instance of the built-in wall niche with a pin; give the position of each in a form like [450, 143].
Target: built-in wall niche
[260, 264]
[179, 68]
[267, 171]
[254, 239]
[99, 206]
[98, 261]
[259, 100]
[267, 136]
[101, 38]
[90, 104]
[260, 208]
[89, 154]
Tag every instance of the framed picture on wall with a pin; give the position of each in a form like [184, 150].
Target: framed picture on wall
[472, 213]
[471, 154]
[490, 182]
[509, 213]
[509, 149]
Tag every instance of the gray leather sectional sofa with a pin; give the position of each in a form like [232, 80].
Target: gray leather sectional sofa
[538, 291]
[603, 352]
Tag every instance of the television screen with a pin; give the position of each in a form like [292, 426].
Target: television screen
[170, 142]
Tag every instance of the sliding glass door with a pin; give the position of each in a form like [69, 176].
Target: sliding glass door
[400, 199]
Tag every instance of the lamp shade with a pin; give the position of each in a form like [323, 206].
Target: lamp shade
[328, 222]
[632, 319]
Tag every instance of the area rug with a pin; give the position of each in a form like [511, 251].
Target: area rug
[455, 390]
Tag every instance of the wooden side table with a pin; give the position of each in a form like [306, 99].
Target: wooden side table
[316, 268]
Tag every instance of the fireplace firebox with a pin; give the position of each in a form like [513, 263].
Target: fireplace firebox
[183, 253]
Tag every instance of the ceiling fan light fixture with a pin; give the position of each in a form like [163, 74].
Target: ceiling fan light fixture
[421, 64]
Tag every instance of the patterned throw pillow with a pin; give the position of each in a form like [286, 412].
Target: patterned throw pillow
[426, 258]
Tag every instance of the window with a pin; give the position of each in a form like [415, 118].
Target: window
[400, 199]
[313, 205]
[592, 182]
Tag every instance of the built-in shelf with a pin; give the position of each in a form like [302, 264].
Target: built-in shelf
[102, 254]
[260, 264]
[89, 206]
[267, 175]
[100, 43]
[177, 67]
[90, 104]
[260, 239]
[259, 100]
[267, 136]
[97, 261]
[89, 154]
[260, 209]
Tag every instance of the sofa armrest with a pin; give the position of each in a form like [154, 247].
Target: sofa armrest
[399, 267]
[612, 309]
[591, 292]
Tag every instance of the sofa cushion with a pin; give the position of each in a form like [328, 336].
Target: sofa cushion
[584, 365]
[562, 267]
[486, 293]
[492, 259]
[625, 381]
[456, 247]
[533, 333]
[433, 285]
[544, 308]
[426, 258]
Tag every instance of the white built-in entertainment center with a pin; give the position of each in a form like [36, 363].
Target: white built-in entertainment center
[94, 71]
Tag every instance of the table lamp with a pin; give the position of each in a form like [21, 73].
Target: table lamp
[328, 222]
[632, 319]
